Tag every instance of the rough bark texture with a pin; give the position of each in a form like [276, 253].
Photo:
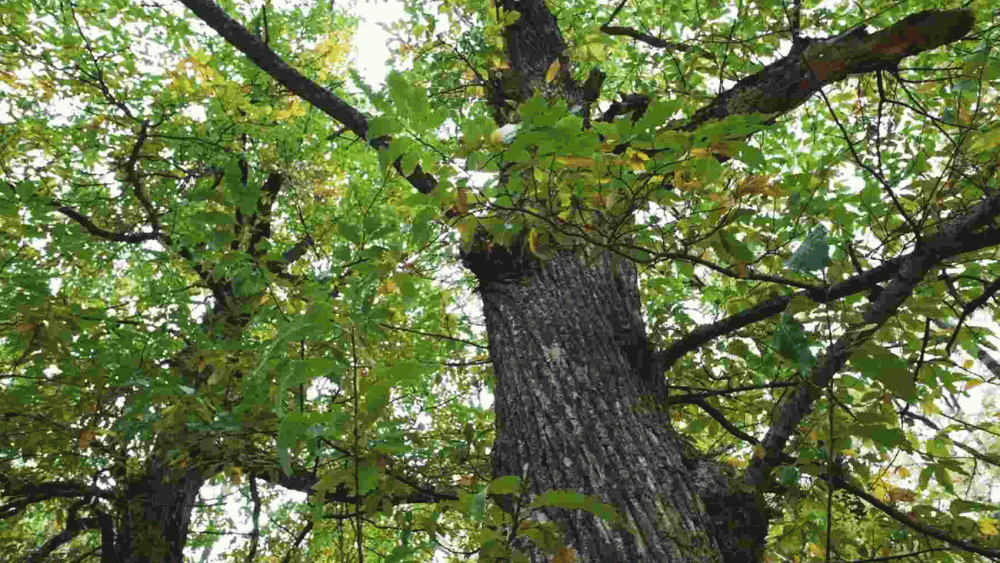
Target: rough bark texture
[573, 412]
[153, 524]
[788, 82]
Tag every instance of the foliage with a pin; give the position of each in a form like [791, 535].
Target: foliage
[151, 172]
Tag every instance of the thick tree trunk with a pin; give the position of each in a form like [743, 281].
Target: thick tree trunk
[573, 411]
[153, 523]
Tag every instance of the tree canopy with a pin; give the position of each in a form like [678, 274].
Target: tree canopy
[226, 259]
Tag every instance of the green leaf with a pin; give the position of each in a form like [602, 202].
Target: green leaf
[789, 476]
[813, 253]
[792, 342]
[576, 501]
[367, 479]
[382, 125]
[506, 485]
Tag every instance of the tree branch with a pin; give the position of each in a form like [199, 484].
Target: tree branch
[323, 99]
[954, 238]
[850, 286]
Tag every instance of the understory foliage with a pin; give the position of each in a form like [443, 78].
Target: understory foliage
[210, 275]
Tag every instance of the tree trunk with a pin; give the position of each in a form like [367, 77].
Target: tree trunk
[573, 411]
[152, 526]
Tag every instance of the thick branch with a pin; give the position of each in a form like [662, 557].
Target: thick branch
[953, 239]
[644, 37]
[31, 493]
[788, 82]
[92, 228]
[856, 284]
[322, 98]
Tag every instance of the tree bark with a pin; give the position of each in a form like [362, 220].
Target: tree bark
[573, 411]
[155, 517]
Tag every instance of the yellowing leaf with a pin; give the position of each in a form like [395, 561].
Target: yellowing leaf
[389, 286]
[636, 160]
[755, 184]
[681, 183]
[988, 526]
[86, 437]
[815, 550]
[721, 147]
[576, 161]
[462, 200]
[553, 71]
[564, 555]
[899, 494]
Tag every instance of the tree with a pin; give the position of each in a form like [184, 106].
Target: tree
[207, 281]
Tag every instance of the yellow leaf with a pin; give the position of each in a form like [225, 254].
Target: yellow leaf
[236, 475]
[741, 268]
[988, 526]
[389, 287]
[564, 555]
[462, 200]
[636, 160]
[899, 494]
[86, 437]
[815, 550]
[968, 363]
[721, 147]
[683, 184]
[553, 71]
[754, 184]
[576, 161]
